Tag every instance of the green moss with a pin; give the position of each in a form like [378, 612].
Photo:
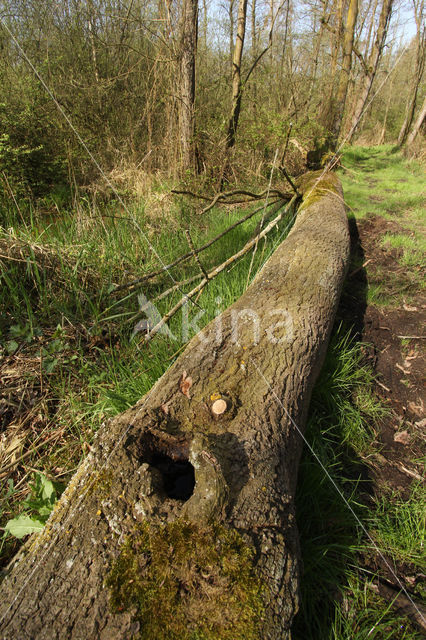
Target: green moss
[315, 184]
[101, 483]
[187, 582]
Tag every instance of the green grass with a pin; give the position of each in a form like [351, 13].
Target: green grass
[334, 513]
[413, 248]
[72, 341]
[380, 181]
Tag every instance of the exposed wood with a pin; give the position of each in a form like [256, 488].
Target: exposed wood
[245, 460]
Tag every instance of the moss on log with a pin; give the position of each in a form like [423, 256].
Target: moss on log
[180, 523]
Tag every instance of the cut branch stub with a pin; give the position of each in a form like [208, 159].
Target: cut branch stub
[219, 407]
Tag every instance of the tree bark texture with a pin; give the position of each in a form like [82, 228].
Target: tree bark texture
[418, 123]
[236, 74]
[188, 49]
[418, 71]
[245, 458]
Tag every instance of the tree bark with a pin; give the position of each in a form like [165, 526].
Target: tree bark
[372, 65]
[342, 90]
[418, 72]
[261, 357]
[418, 123]
[188, 49]
[236, 74]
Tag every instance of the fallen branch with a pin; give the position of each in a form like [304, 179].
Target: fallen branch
[222, 197]
[406, 606]
[188, 255]
[215, 272]
[182, 518]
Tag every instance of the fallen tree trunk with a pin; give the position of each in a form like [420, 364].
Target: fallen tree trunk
[180, 522]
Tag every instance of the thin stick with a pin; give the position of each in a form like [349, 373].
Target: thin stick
[195, 254]
[164, 294]
[188, 255]
[286, 144]
[289, 180]
[254, 196]
[212, 274]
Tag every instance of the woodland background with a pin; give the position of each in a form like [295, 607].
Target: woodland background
[176, 88]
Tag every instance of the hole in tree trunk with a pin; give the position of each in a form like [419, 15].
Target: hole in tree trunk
[178, 476]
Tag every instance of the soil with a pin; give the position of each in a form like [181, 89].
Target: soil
[394, 345]
[395, 339]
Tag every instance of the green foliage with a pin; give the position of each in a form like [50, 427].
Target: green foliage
[36, 508]
[29, 164]
[188, 583]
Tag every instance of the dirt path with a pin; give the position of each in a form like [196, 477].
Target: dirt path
[385, 301]
[396, 350]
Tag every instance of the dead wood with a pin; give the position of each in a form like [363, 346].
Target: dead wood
[172, 478]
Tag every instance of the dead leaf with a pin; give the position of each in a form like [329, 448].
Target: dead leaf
[408, 308]
[421, 423]
[165, 408]
[402, 436]
[185, 383]
[418, 409]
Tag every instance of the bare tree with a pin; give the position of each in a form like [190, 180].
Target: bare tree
[187, 53]
[420, 40]
[334, 106]
[236, 74]
[418, 123]
[371, 65]
[342, 90]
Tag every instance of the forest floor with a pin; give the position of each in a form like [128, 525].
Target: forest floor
[69, 359]
[385, 297]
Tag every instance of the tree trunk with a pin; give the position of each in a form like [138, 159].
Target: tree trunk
[236, 74]
[188, 51]
[135, 525]
[418, 123]
[372, 66]
[342, 90]
[418, 72]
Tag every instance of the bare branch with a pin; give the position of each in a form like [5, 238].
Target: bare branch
[217, 270]
[188, 255]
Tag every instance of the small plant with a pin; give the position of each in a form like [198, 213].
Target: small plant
[36, 507]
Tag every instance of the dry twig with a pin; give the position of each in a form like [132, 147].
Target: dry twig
[217, 270]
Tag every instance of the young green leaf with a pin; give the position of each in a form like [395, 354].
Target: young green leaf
[23, 525]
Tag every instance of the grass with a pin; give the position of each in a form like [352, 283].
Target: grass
[412, 248]
[381, 182]
[69, 361]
